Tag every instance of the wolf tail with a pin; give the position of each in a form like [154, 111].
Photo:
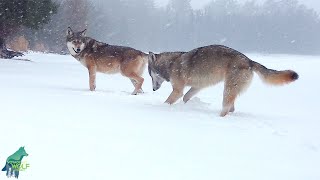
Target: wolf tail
[4, 168]
[274, 77]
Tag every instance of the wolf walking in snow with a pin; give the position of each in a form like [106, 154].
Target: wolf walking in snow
[13, 163]
[101, 57]
[207, 66]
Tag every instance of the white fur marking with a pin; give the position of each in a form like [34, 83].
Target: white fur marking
[70, 48]
[83, 62]
[156, 79]
[82, 47]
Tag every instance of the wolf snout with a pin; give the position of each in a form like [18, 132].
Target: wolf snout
[78, 49]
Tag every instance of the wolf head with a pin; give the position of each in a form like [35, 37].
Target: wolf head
[76, 41]
[157, 80]
[22, 152]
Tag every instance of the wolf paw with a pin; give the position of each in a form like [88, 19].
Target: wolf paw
[93, 88]
[223, 114]
[169, 102]
[232, 109]
[185, 100]
[136, 92]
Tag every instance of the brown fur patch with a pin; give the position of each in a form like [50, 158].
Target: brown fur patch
[281, 77]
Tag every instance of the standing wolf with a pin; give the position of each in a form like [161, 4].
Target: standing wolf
[101, 57]
[13, 163]
[206, 66]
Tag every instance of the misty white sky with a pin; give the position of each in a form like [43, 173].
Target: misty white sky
[199, 3]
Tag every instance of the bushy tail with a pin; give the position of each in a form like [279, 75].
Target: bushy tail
[4, 168]
[274, 77]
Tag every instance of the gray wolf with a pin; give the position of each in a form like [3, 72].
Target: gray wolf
[207, 66]
[13, 163]
[109, 59]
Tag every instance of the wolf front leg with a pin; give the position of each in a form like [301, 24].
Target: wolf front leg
[192, 92]
[174, 96]
[92, 77]
[177, 92]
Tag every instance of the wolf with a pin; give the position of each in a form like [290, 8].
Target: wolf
[207, 66]
[109, 59]
[13, 163]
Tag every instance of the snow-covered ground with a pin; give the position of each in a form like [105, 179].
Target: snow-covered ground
[72, 133]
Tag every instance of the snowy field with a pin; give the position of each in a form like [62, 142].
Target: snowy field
[72, 133]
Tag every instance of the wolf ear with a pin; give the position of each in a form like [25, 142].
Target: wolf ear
[69, 31]
[152, 57]
[83, 33]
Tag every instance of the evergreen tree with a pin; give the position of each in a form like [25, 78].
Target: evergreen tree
[179, 24]
[275, 26]
[29, 13]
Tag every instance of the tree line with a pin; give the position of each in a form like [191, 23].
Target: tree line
[284, 26]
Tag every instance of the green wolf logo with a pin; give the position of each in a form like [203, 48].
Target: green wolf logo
[13, 163]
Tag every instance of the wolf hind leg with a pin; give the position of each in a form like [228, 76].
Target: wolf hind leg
[232, 109]
[235, 83]
[133, 69]
[8, 169]
[228, 101]
[9, 172]
[134, 84]
[137, 82]
[192, 92]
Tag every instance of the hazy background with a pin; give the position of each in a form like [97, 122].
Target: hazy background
[265, 26]
[198, 4]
